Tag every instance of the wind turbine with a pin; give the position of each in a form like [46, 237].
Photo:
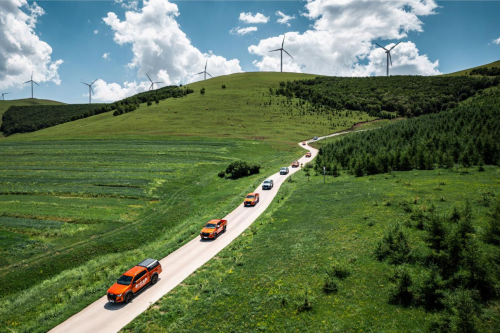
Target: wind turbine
[388, 52]
[31, 84]
[91, 90]
[204, 72]
[151, 87]
[282, 49]
[3, 95]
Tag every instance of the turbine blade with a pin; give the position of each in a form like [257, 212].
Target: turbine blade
[149, 77]
[199, 73]
[93, 82]
[206, 63]
[394, 46]
[36, 83]
[209, 75]
[158, 82]
[92, 89]
[288, 53]
[26, 82]
[381, 46]
[275, 50]
[390, 58]
[282, 44]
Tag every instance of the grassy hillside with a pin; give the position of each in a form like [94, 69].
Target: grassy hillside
[467, 71]
[5, 105]
[241, 110]
[273, 277]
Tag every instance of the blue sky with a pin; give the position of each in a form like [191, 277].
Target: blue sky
[458, 34]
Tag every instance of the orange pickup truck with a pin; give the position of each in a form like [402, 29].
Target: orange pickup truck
[251, 199]
[212, 229]
[134, 280]
[308, 154]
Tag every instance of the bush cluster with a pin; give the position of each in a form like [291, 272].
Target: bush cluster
[493, 71]
[466, 136]
[456, 276]
[238, 169]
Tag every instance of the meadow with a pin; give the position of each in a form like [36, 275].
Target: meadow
[74, 214]
[273, 277]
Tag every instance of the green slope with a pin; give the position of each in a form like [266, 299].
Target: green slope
[239, 111]
[4, 105]
[466, 71]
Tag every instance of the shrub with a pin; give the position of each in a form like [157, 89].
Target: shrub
[492, 234]
[394, 246]
[202, 91]
[222, 174]
[223, 86]
[401, 292]
[238, 169]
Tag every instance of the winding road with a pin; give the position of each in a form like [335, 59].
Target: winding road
[102, 316]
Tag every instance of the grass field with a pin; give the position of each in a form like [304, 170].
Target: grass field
[4, 105]
[261, 281]
[74, 214]
[241, 110]
[466, 71]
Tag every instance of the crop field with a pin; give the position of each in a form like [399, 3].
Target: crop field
[245, 109]
[75, 213]
[273, 277]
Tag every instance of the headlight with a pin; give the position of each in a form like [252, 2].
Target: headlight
[119, 295]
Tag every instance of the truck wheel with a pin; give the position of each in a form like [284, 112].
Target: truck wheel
[154, 279]
[224, 228]
[128, 298]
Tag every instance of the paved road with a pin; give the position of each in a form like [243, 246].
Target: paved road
[102, 316]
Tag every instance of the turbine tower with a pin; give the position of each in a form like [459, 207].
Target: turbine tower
[204, 72]
[3, 95]
[151, 87]
[31, 84]
[282, 49]
[388, 52]
[91, 90]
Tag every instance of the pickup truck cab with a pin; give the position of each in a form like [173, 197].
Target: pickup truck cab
[295, 164]
[212, 229]
[267, 184]
[284, 171]
[251, 199]
[133, 280]
[304, 143]
[308, 154]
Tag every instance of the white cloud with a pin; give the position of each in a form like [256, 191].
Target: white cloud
[21, 50]
[496, 41]
[284, 18]
[242, 31]
[161, 48]
[133, 4]
[96, 32]
[250, 18]
[110, 92]
[106, 56]
[343, 33]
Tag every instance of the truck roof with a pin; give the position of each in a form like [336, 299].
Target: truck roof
[147, 263]
[134, 270]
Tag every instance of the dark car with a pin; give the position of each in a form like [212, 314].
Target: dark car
[315, 138]
[284, 171]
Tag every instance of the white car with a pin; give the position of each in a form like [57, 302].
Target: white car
[267, 184]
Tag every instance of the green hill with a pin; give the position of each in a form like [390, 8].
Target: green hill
[5, 105]
[467, 71]
[241, 110]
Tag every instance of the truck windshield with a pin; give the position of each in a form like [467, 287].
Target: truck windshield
[250, 196]
[125, 280]
[210, 226]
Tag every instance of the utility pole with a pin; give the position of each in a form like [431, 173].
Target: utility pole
[324, 175]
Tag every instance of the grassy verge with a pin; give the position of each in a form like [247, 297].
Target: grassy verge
[273, 277]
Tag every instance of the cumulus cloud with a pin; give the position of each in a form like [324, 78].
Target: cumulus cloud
[242, 31]
[133, 4]
[253, 19]
[161, 48]
[284, 18]
[496, 41]
[343, 33]
[106, 56]
[21, 50]
[96, 32]
[110, 92]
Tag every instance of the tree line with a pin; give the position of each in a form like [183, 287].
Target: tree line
[24, 119]
[405, 96]
[493, 71]
[466, 136]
